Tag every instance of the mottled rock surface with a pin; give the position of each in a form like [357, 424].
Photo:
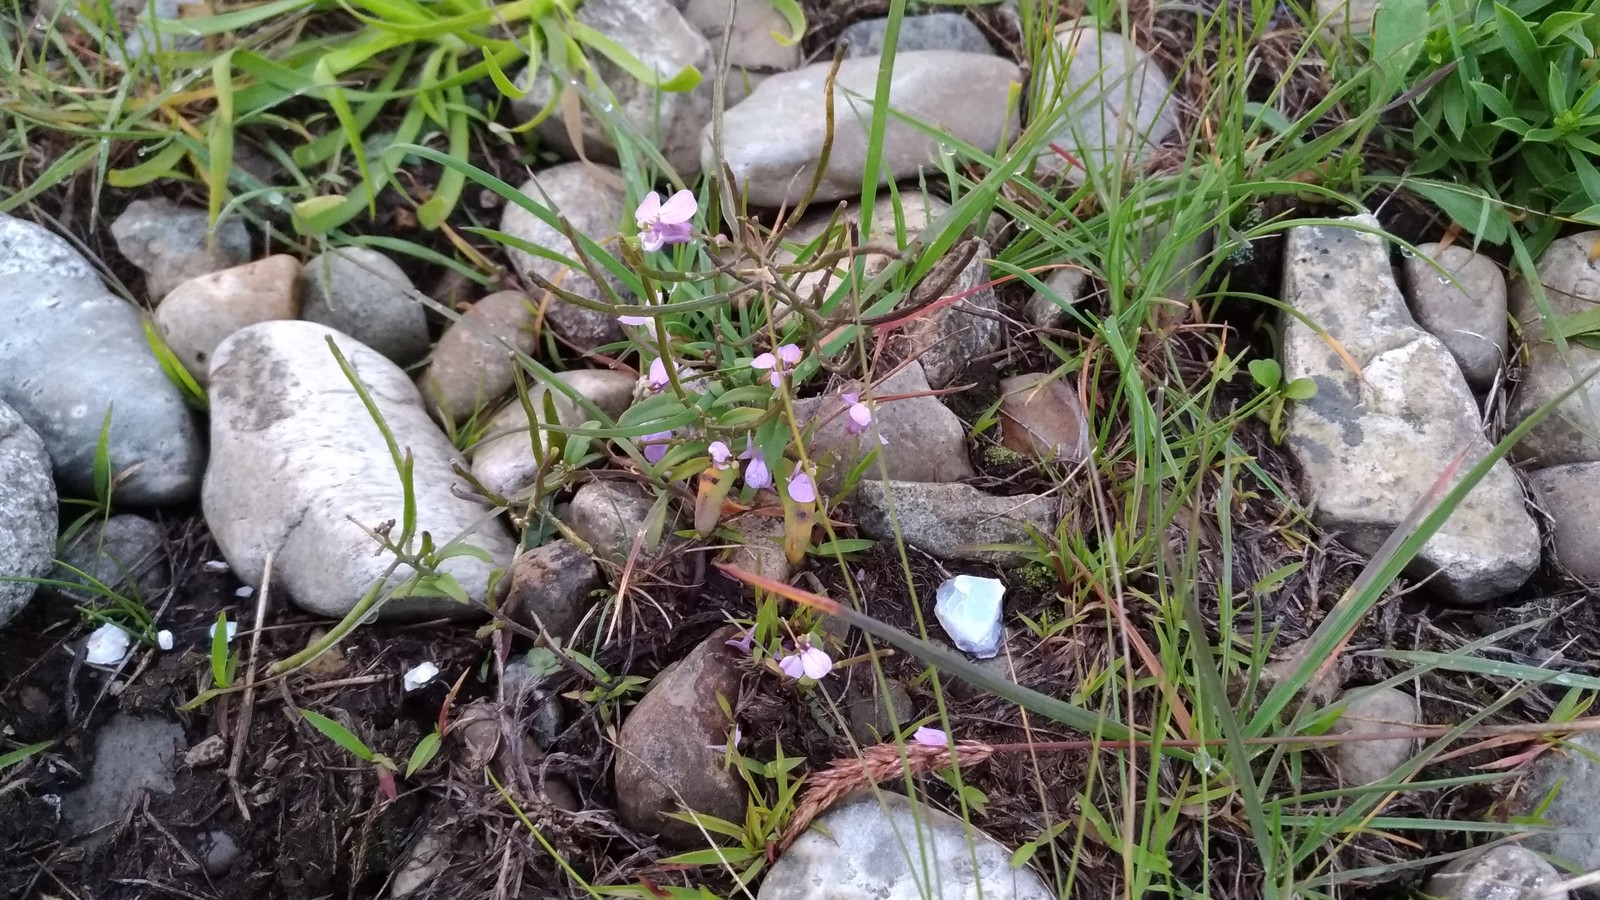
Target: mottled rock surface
[366, 295]
[551, 585]
[933, 31]
[504, 462]
[1371, 447]
[1041, 416]
[951, 521]
[920, 438]
[1571, 495]
[1374, 711]
[1110, 97]
[1502, 872]
[295, 456]
[1570, 433]
[198, 315]
[28, 509]
[1560, 792]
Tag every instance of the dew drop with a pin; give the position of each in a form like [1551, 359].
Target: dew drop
[1444, 279]
[275, 198]
[1406, 252]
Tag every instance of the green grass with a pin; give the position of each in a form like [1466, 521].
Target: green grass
[1180, 498]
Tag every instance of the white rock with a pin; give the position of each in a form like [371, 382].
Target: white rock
[199, 314]
[419, 675]
[1467, 310]
[880, 847]
[772, 140]
[164, 639]
[1371, 447]
[1570, 272]
[1502, 872]
[504, 462]
[231, 629]
[368, 296]
[969, 608]
[1113, 101]
[106, 646]
[296, 457]
[655, 33]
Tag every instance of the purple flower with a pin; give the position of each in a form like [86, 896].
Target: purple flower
[658, 378]
[654, 446]
[756, 473]
[931, 737]
[743, 642]
[808, 661]
[658, 374]
[720, 454]
[801, 490]
[858, 416]
[779, 361]
[634, 320]
[661, 224]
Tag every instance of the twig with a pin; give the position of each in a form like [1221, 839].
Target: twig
[241, 731]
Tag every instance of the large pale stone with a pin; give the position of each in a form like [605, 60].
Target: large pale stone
[655, 33]
[592, 204]
[1371, 446]
[366, 295]
[773, 139]
[296, 457]
[70, 352]
[1369, 711]
[1110, 98]
[754, 43]
[28, 509]
[1571, 495]
[1569, 269]
[1502, 872]
[1559, 793]
[881, 847]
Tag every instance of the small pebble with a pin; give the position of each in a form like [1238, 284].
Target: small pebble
[233, 629]
[164, 639]
[216, 566]
[419, 675]
[245, 592]
[107, 646]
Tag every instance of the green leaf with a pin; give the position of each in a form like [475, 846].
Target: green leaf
[685, 79]
[1471, 208]
[794, 17]
[1300, 389]
[338, 734]
[222, 667]
[1519, 43]
[102, 462]
[163, 164]
[9, 759]
[1398, 33]
[842, 546]
[426, 750]
[1266, 372]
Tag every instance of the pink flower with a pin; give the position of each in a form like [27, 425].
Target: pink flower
[779, 361]
[634, 320]
[720, 454]
[858, 416]
[654, 446]
[801, 490]
[661, 224]
[687, 376]
[756, 473]
[658, 374]
[931, 737]
[743, 642]
[807, 661]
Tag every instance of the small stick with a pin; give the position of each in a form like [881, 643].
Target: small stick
[247, 708]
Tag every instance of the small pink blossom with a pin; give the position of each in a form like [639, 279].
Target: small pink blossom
[807, 661]
[931, 737]
[720, 454]
[743, 642]
[658, 374]
[756, 473]
[634, 320]
[858, 416]
[801, 490]
[666, 223]
[654, 446]
[779, 362]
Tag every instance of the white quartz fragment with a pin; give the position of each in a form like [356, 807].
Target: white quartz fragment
[106, 646]
[969, 609]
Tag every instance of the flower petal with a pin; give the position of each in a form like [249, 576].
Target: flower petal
[719, 452]
[792, 665]
[756, 473]
[801, 490]
[764, 361]
[649, 210]
[790, 353]
[815, 663]
[634, 320]
[658, 374]
[650, 240]
[679, 209]
[654, 446]
[931, 737]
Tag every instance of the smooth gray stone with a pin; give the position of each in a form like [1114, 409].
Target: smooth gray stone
[69, 352]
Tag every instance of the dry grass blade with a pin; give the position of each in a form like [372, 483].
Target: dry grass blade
[874, 766]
